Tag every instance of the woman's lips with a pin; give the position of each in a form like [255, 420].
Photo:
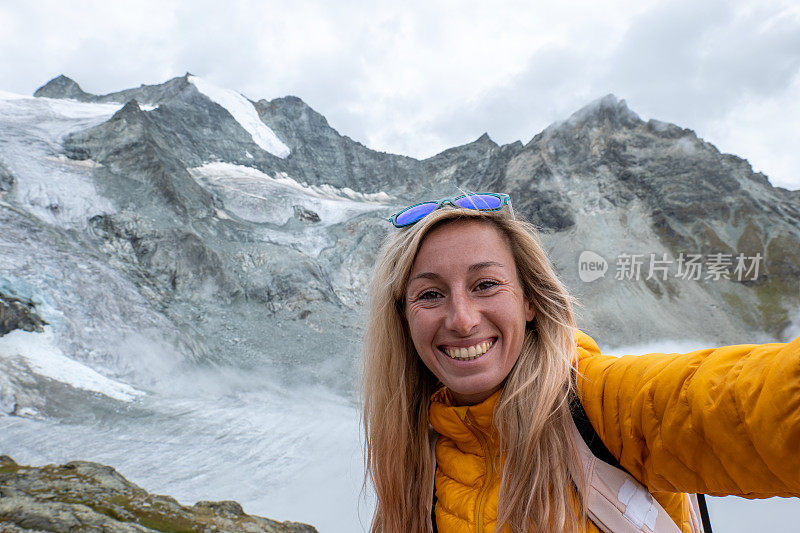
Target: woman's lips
[467, 353]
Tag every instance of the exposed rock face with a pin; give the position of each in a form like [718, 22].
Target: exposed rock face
[132, 148]
[320, 155]
[604, 175]
[84, 496]
[63, 87]
[6, 179]
[306, 215]
[246, 252]
[162, 238]
[18, 313]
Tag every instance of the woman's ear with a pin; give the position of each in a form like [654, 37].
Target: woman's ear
[529, 311]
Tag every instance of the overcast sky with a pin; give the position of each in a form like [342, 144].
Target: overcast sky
[433, 74]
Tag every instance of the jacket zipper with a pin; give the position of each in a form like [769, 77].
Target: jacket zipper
[484, 441]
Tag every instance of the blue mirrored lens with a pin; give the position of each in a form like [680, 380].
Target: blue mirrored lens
[479, 201]
[413, 214]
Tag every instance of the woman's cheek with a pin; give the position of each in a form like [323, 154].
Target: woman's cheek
[419, 311]
[415, 319]
[413, 312]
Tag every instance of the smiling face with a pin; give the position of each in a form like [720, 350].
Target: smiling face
[465, 308]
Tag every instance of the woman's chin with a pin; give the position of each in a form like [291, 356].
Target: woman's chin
[469, 396]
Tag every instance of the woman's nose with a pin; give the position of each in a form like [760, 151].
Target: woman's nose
[462, 315]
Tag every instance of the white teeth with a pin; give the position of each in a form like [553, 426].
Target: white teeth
[467, 354]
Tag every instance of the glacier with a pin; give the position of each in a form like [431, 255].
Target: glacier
[243, 111]
[255, 196]
[45, 358]
[57, 190]
[210, 352]
[113, 380]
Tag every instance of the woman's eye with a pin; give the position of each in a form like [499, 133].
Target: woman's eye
[428, 295]
[486, 284]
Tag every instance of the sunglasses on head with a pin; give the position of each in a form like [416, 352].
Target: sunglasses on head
[484, 201]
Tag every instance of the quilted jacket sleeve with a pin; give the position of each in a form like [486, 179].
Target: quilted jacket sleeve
[717, 421]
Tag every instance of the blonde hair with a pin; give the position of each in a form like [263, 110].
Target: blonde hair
[532, 415]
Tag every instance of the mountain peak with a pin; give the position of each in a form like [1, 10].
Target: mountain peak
[61, 87]
[291, 101]
[608, 108]
[130, 107]
[293, 108]
[484, 139]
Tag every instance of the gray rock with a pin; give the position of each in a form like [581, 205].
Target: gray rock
[18, 313]
[605, 174]
[6, 179]
[84, 496]
[19, 390]
[226, 508]
[30, 513]
[320, 155]
[63, 87]
[306, 215]
[137, 164]
[236, 263]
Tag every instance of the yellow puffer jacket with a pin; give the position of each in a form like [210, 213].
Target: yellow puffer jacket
[718, 421]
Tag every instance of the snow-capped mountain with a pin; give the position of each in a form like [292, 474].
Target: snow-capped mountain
[167, 240]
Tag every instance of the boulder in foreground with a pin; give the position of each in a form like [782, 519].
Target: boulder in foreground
[84, 496]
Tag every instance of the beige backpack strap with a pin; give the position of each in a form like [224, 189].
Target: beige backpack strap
[615, 501]
[694, 514]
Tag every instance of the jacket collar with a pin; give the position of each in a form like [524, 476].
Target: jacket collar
[460, 422]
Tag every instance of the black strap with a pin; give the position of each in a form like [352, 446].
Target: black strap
[433, 512]
[590, 436]
[595, 444]
[701, 503]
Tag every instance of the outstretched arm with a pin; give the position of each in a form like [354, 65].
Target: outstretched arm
[717, 421]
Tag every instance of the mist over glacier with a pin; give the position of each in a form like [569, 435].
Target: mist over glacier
[203, 280]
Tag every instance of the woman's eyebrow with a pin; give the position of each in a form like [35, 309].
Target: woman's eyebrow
[484, 264]
[425, 275]
[472, 268]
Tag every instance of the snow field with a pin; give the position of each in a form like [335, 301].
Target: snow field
[55, 189]
[45, 358]
[258, 197]
[245, 114]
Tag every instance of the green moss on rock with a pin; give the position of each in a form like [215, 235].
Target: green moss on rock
[100, 496]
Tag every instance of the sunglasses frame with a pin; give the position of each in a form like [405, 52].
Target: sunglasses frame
[504, 198]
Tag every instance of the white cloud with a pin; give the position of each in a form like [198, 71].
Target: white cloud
[771, 149]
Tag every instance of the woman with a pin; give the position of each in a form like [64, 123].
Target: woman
[471, 346]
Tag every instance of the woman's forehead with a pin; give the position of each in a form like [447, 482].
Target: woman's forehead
[461, 245]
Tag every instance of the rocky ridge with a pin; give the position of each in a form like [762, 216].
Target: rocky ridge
[243, 251]
[85, 496]
[148, 224]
